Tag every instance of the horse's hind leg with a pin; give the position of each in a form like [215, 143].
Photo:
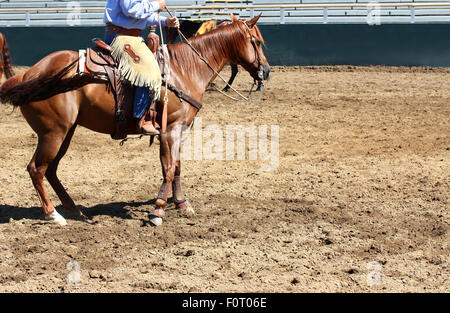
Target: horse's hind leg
[52, 177]
[47, 149]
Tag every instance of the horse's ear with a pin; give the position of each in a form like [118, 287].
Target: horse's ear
[253, 21]
[233, 17]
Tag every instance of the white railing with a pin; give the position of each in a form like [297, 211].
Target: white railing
[348, 12]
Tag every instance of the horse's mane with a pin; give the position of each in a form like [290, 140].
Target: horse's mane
[213, 46]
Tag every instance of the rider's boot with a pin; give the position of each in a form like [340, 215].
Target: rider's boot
[146, 123]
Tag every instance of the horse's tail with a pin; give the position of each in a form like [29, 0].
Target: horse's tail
[11, 82]
[9, 72]
[19, 92]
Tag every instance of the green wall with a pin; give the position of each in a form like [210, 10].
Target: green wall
[300, 44]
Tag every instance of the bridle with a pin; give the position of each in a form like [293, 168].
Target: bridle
[253, 40]
[256, 81]
[260, 72]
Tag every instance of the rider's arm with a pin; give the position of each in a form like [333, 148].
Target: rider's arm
[139, 9]
[153, 20]
[143, 9]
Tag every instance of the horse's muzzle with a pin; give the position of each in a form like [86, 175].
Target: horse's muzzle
[266, 71]
[262, 73]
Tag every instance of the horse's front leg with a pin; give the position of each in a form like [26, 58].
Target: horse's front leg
[178, 194]
[170, 144]
[234, 72]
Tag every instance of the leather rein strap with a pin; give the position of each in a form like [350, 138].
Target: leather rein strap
[203, 59]
[182, 96]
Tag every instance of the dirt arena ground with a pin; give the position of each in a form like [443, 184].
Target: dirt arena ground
[363, 177]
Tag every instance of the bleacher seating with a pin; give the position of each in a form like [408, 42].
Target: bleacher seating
[90, 13]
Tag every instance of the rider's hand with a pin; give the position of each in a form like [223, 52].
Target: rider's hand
[162, 4]
[172, 22]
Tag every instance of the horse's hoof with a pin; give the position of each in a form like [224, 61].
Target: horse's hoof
[83, 217]
[185, 207]
[56, 218]
[189, 211]
[73, 213]
[156, 221]
[156, 216]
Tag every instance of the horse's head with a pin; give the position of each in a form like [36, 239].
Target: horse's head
[249, 53]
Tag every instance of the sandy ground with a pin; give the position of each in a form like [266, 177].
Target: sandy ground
[358, 203]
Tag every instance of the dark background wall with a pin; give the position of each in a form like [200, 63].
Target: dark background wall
[301, 44]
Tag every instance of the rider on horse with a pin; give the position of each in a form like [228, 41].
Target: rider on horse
[130, 17]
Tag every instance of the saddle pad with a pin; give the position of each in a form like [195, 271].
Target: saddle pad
[137, 63]
[82, 60]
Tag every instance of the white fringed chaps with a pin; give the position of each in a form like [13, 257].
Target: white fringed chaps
[146, 73]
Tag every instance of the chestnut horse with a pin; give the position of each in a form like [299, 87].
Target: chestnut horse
[54, 100]
[5, 59]
[195, 28]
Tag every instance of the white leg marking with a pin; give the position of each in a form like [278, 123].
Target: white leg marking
[55, 217]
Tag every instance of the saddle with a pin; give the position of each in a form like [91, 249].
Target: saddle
[99, 62]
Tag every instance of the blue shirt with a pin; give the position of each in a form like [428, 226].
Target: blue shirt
[133, 13]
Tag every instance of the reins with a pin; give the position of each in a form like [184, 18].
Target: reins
[192, 101]
[165, 79]
[246, 99]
